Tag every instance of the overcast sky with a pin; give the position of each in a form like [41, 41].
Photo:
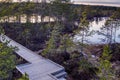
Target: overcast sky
[99, 0]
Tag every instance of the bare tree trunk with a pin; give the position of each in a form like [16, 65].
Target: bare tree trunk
[19, 19]
[83, 34]
[111, 34]
[115, 30]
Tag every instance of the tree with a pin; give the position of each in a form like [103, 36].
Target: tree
[26, 36]
[24, 77]
[54, 40]
[105, 71]
[83, 28]
[110, 28]
[86, 69]
[66, 43]
[62, 10]
[7, 61]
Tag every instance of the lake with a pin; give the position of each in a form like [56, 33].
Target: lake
[97, 36]
[99, 3]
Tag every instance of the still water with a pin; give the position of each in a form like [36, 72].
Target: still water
[114, 3]
[96, 37]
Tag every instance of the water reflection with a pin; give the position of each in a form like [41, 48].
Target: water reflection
[99, 33]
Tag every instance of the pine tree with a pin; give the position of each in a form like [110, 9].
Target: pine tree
[83, 27]
[110, 28]
[24, 77]
[105, 71]
[7, 61]
[66, 43]
[54, 41]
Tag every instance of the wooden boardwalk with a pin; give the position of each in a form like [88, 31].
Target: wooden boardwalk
[37, 68]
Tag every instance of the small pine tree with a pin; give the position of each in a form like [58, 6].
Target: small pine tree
[7, 61]
[24, 77]
[66, 43]
[83, 28]
[105, 71]
[54, 41]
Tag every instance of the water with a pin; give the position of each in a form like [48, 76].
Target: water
[100, 3]
[96, 37]
[114, 1]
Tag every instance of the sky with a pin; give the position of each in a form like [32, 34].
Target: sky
[100, 0]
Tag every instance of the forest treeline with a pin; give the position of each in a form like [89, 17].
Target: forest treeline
[50, 9]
